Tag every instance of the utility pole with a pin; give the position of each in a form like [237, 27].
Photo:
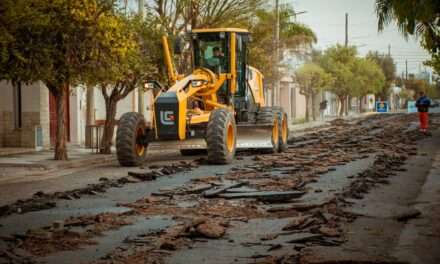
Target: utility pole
[346, 29]
[389, 50]
[347, 100]
[406, 69]
[276, 86]
[141, 5]
[141, 103]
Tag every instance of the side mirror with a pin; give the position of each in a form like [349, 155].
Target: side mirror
[178, 45]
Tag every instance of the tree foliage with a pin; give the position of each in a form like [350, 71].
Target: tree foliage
[176, 16]
[388, 67]
[23, 54]
[339, 61]
[56, 41]
[417, 86]
[368, 79]
[120, 70]
[417, 18]
[311, 79]
[353, 76]
[293, 35]
[434, 62]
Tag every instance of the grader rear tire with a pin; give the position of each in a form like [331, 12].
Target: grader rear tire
[265, 115]
[269, 115]
[128, 149]
[221, 137]
[284, 132]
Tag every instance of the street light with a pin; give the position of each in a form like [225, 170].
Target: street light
[298, 13]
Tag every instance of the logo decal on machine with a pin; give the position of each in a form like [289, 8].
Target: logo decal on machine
[167, 117]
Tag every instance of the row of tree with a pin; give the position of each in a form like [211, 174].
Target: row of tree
[340, 71]
[98, 44]
[69, 42]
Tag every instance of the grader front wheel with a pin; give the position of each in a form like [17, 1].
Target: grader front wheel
[284, 133]
[130, 147]
[221, 137]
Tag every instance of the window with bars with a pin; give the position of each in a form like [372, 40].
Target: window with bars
[17, 113]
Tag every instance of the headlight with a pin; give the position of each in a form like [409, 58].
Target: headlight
[197, 83]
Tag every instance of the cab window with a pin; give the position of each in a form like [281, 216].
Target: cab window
[209, 49]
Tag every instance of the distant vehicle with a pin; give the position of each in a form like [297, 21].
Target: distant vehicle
[435, 103]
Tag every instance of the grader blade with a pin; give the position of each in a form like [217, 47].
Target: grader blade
[254, 136]
[196, 143]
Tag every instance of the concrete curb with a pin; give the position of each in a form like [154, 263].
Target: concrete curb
[59, 165]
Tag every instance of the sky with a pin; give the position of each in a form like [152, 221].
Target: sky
[327, 20]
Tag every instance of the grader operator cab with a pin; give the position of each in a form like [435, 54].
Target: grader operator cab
[216, 110]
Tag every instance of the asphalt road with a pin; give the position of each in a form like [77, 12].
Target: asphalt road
[136, 221]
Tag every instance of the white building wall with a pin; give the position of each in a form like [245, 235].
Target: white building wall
[285, 98]
[77, 102]
[332, 104]
[31, 105]
[368, 103]
[300, 105]
[128, 104]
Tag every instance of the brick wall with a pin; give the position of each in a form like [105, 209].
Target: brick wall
[20, 137]
[35, 112]
[11, 136]
[2, 121]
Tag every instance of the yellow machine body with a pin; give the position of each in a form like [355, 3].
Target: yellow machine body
[202, 86]
[216, 109]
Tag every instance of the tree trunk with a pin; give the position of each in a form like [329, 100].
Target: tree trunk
[342, 105]
[90, 118]
[60, 145]
[361, 98]
[307, 108]
[314, 106]
[109, 125]
[347, 103]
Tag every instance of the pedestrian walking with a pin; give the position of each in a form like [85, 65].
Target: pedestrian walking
[423, 104]
[322, 107]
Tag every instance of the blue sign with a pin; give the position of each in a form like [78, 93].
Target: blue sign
[412, 107]
[382, 106]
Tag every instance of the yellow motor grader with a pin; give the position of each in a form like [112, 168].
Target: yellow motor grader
[217, 109]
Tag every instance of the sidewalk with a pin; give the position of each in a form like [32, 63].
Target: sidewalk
[44, 159]
[37, 163]
[14, 151]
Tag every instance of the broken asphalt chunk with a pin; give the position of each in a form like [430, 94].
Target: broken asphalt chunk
[144, 176]
[221, 189]
[304, 237]
[269, 196]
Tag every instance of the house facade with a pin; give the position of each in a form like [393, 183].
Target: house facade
[28, 116]
[24, 116]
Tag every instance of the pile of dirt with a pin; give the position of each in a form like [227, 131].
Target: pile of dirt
[70, 234]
